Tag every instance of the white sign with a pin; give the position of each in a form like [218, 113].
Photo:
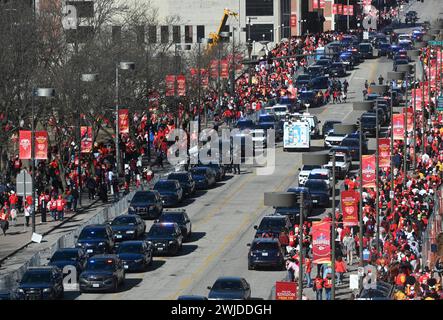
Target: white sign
[36, 237]
[24, 184]
[353, 282]
[365, 35]
[360, 271]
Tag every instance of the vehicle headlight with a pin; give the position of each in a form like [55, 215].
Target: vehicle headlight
[47, 290]
[130, 232]
[150, 242]
[101, 244]
[79, 245]
[171, 242]
[21, 291]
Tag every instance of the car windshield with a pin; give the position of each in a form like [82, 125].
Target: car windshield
[97, 233]
[227, 285]
[122, 221]
[350, 143]
[37, 277]
[143, 196]
[245, 124]
[64, 255]
[316, 185]
[172, 217]
[264, 246]
[329, 125]
[161, 230]
[310, 167]
[303, 77]
[280, 109]
[266, 119]
[272, 224]
[165, 185]
[322, 62]
[318, 176]
[198, 171]
[339, 158]
[179, 177]
[368, 120]
[365, 47]
[100, 264]
[130, 248]
[337, 65]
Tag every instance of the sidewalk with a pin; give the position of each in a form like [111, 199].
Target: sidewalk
[17, 237]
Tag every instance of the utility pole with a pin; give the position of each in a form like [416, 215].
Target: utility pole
[405, 125]
[218, 77]
[333, 227]
[199, 86]
[360, 236]
[391, 195]
[300, 260]
[377, 173]
[414, 144]
[423, 124]
[233, 62]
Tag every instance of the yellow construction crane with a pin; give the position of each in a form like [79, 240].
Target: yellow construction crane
[215, 36]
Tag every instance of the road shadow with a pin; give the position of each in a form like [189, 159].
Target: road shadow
[269, 269]
[187, 249]
[71, 295]
[199, 193]
[227, 177]
[186, 202]
[196, 236]
[156, 264]
[129, 284]
[217, 184]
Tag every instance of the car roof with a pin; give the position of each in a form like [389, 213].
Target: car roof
[273, 217]
[93, 226]
[179, 172]
[132, 242]
[104, 256]
[126, 216]
[173, 212]
[164, 224]
[269, 240]
[317, 180]
[322, 171]
[68, 250]
[229, 278]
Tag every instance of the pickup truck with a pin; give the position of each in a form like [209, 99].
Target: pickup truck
[342, 164]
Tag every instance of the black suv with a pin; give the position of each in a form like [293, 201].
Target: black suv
[147, 204]
[265, 252]
[128, 227]
[69, 257]
[181, 218]
[95, 239]
[102, 273]
[185, 180]
[41, 283]
[273, 225]
[166, 238]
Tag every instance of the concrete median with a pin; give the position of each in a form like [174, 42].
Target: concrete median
[362, 105]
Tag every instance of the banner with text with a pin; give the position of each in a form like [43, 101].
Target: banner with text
[214, 69]
[224, 69]
[368, 171]
[384, 153]
[41, 145]
[25, 137]
[285, 290]
[398, 127]
[181, 85]
[86, 139]
[321, 242]
[170, 85]
[349, 207]
[123, 121]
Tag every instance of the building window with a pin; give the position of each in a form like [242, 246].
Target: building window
[164, 32]
[259, 7]
[188, 34]
[258, 30]
[200, 33]
[152, 34]
[285, 18]
[140, 30]
[176, 34]
[116, 34]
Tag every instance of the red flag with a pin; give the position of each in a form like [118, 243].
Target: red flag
[321, 242]
[181, 85]
[285, 290]
[399, 128]
[315, 4]
[41, 145]
[293, 20]
[368, 171]
[123, 121]
[384, 153]
[170, 85]
[349, 207]
[214, 69]
[224, 68]
[25, 137]
[204, 78]
[86, 139]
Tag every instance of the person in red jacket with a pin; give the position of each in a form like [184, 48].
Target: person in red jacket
[60, 204]
[318, 287]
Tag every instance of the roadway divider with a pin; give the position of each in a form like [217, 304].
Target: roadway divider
[362, 105]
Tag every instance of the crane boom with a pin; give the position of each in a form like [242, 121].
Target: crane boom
[216, 36]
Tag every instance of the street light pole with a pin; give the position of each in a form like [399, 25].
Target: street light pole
[333, 227]
[377, 173]
[300, 260]
[360, 237]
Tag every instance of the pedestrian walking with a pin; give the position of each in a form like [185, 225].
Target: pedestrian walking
[116, 189]
[307, 273]
[318, 287]
[75, 196]
[340, 268]
[60, 204]
[4, 217]
[52, 208]
[349, 245]
[28, 212]
[91, 185]
[327, 283]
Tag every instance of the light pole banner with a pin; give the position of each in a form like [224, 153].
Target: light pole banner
[334, 9]
[409, 118]
[181, 85]
[321, 242]
[25, 144]
[170, 85]
[416, 94]
[86, 139]
[351, 10]
[41, 145]
[204, 78]
[224, 68]
[339, 9]
[398, 126]
[368, 171]
[345, 10]
[384, 153]
[349, 207]
[322, 4]
[123, 121]
[214, 69]
[315, 4]
[285, 290]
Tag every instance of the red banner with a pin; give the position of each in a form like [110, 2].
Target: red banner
[398, 126]
[339, 9]
[417, 98]
[41, 145]
[321, 242]
[384, 153]
[409, 118]
[214, 69]
[86, 139]
[351, 10]
[349, 207]
[25, 144]
[170, 85]
[315, 4]
[334, 9]
[345, 10]
[181, 85]
[224, 69]
[368, 171]
[293, 20]
[285, 290]
[204, 78]
[322, 4]
[123, 121]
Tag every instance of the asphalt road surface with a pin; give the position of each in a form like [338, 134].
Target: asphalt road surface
[223, 218]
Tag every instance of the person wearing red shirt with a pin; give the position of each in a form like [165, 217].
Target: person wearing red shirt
[13, 199]
[4, 217]
[318, 287]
